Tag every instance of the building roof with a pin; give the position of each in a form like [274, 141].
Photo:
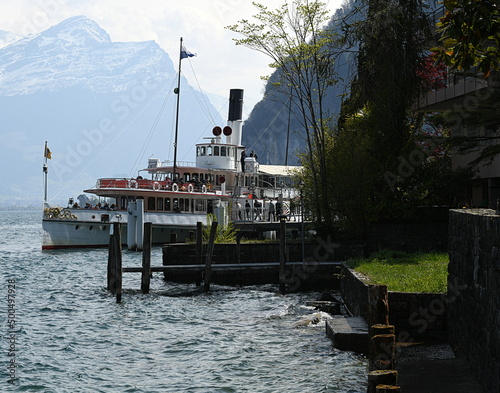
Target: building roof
[278, 170]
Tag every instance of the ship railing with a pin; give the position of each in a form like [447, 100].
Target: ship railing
[156, 185]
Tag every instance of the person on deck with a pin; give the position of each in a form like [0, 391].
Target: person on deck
[247, 210]
[272, 212]
[242, 159]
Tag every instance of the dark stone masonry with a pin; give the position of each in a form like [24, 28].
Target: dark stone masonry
[473, 298]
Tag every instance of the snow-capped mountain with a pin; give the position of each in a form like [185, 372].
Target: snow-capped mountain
[76, 52]
[104, 107]
[7, 38]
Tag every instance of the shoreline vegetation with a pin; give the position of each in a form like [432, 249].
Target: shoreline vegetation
[405, 272]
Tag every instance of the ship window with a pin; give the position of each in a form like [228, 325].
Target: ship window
[198, 151]
[203, 151]
[209, 150]
[151, 203]
[200, 205]
[159, 203]
[223, 151]
[167, 204]
[123, 202]
[186, 205]
[181, 204]
[216, 150]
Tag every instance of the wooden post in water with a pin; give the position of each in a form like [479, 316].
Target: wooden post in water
[388, 389]
[199, 242]
[117, 249]
[208, 260]
[199, 250]
[382, 352]
[282, 255]
[146, 257]
[378, 306]
[111, 261]
[381, 377]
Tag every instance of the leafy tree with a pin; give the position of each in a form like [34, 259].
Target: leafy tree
[302, 50]
[391, 70]
[470, 35]
[224, 233]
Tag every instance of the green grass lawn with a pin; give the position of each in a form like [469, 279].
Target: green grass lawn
[402, 272]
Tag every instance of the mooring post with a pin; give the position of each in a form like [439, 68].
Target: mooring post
[208, 260]
[146, 257]
[199, 251]
[378, 306]
[282, 255]
[381, 377]
[111, 261]
[238, 246]
[117, 240]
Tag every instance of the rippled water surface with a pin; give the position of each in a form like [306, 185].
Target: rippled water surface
[71, 336]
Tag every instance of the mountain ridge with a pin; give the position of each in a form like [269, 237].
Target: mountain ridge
[100, 105]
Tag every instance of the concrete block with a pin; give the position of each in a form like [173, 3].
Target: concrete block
[348, 334]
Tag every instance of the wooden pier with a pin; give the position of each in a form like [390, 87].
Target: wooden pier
[284, 273]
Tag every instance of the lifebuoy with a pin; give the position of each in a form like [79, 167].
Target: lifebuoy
[190, 188]
[156, 186]
[204, 188]
[132, 184]
[175, 187]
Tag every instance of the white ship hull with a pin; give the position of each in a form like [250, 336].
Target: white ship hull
[85, 229]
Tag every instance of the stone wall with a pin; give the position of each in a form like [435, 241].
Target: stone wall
[474, 292]
[415, 316]
[418, 316]
[354, 292]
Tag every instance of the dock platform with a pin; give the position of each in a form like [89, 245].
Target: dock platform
[348, 333]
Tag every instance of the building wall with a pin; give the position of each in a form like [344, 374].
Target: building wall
[474, 292]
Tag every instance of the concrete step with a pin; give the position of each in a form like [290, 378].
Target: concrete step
[348, 333]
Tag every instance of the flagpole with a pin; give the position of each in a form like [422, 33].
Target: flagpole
[178, 92]
[45, 172]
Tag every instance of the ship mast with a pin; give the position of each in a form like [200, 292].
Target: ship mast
[178, 92]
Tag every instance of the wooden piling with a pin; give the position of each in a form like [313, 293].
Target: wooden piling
[381, 377]
[383, 329]
[378, 306]
[146, 257]
[199, 250]
[382, 352]
[387, 389]
[208, 259]
[111, 261]
[117, 270]
[282, 278]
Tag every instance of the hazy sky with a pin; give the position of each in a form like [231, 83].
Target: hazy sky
[219, 66]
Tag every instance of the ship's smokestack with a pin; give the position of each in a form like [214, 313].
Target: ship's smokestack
[235, 104]
[234, 119]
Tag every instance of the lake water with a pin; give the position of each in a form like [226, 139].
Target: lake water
[64, 332]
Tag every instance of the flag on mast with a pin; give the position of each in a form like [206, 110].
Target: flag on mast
[185, 53]
[47, 153]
